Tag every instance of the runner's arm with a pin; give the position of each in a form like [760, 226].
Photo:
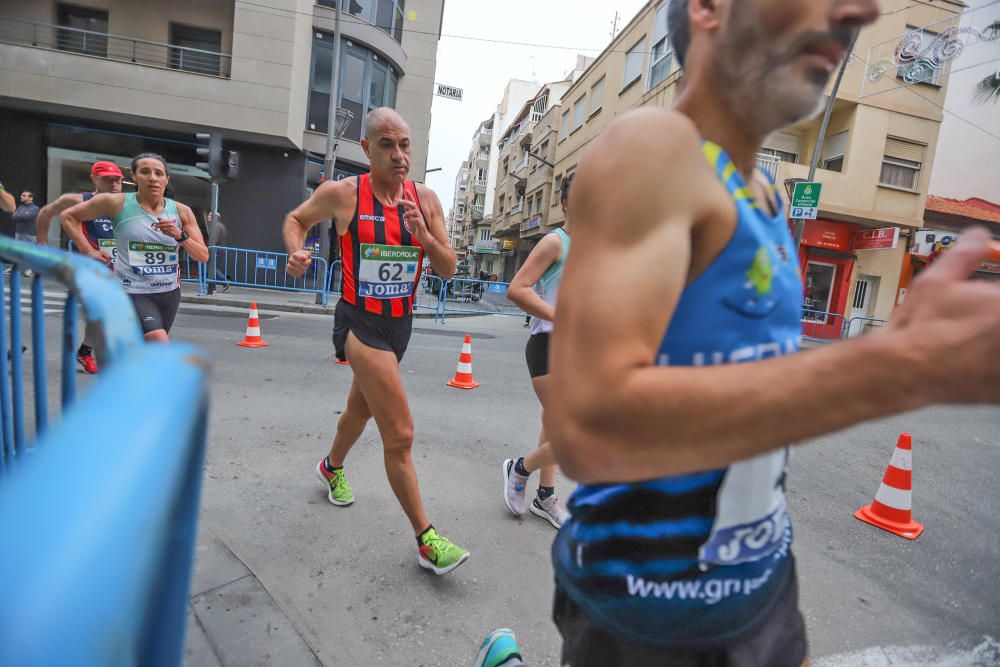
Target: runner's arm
[97, 206]
[521, 290]
[436, 245]
[616, 417]
[322, 205]
[49, 211]
[195, 245]
[7, 202]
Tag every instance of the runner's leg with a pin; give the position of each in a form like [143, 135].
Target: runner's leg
[350, 426]
[542, 458]
[377, 374]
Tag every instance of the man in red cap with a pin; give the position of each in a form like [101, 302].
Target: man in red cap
[106, 177]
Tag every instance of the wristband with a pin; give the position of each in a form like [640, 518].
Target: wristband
[183, 237]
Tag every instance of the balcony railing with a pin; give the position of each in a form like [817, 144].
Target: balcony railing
[479, 187]
[768, 164]
[477, 213]
[113, 47]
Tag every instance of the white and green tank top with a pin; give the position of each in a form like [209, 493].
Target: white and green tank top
[548, 285]
[147, 259]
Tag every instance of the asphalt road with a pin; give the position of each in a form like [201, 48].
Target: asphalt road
[347, 579]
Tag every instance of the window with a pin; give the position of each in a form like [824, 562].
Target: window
[565, 126]
[922, 70]
[597, 96]
[661, 59]
[367, 81]
[578, 112]
[385, 14]
[485, 234]
[782, 145]
[556, 190]
[198, 40]
[633, 64]
[901, 163]
[86, 30]
[834, 150]
[481, 174]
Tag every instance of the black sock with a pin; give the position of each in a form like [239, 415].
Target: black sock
[330, 468]
[520, 469]
[544, 492]
[420, 541]
[84, 351]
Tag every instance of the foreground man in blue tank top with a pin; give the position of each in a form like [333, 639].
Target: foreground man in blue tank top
[675, 387]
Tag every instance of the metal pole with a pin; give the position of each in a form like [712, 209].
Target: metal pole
[331, 134]
[800, 225]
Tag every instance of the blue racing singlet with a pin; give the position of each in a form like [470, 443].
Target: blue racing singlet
[696, 560]
[100, 232]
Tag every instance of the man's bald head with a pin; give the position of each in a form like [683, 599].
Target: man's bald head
[377, 119]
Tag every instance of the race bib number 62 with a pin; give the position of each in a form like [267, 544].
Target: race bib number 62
[387, 271]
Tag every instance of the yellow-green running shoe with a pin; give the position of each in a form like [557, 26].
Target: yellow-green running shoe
[338, 490]
[438, 554]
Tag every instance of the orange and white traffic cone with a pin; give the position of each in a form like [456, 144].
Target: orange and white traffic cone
[253, 337]
[892, 508]
[463, 376]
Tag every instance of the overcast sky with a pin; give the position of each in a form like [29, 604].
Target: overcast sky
[482, 69]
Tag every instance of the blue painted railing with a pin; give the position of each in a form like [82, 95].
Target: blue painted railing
[99, 513]
[264, 269]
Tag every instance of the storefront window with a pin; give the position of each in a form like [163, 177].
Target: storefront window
[818, 291]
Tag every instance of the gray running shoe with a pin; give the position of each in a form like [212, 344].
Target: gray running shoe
[513, 489]
[551, 510]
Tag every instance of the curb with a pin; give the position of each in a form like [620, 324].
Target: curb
[310, 309]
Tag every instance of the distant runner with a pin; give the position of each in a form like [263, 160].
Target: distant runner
[107, 178]
[149, 232]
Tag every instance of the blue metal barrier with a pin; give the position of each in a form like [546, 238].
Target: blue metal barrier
[430, 296]
[99, 524]
[105, 304]
[264, 269]
[483, 297]
[98, 536]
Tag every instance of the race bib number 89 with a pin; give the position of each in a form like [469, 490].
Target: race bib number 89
[387, 271]
[152, 259]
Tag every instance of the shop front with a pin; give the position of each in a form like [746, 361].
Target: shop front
[826, 259]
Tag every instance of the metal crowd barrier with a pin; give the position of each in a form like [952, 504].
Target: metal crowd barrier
[429, 296]
[857, 326]
[105, 304]
[481, 297]
[98, 522]
[264, 269]
[335, 278]
[821, 326]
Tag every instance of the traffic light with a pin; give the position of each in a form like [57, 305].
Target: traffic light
[232, 164]
[210, 148]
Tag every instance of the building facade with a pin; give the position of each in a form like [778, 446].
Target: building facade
[107, 79]
[875, 159]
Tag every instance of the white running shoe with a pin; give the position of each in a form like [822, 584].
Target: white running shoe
[551, 510]
[513, 489]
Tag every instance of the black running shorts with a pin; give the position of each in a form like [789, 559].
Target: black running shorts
[779, 640]
[536, 353]
[157, 311]
[381, 332]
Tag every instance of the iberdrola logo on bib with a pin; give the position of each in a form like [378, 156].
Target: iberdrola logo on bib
[371, 251]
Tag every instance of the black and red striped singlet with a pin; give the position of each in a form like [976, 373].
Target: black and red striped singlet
[382, 261]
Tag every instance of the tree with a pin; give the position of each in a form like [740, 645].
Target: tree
[988, 90]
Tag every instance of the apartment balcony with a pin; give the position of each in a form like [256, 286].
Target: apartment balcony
[482, 159]
[769, 165]
[22, 32]
[477, 213]
[479, 187]
[485, 136]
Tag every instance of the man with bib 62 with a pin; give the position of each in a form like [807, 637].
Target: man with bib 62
[387, 225]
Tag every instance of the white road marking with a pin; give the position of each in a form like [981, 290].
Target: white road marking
[984, 654]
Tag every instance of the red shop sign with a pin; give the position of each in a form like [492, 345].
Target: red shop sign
[876, 239]
[830, 235]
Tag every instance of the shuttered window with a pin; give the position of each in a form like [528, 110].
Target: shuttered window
[834, 150]
[902, 163]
